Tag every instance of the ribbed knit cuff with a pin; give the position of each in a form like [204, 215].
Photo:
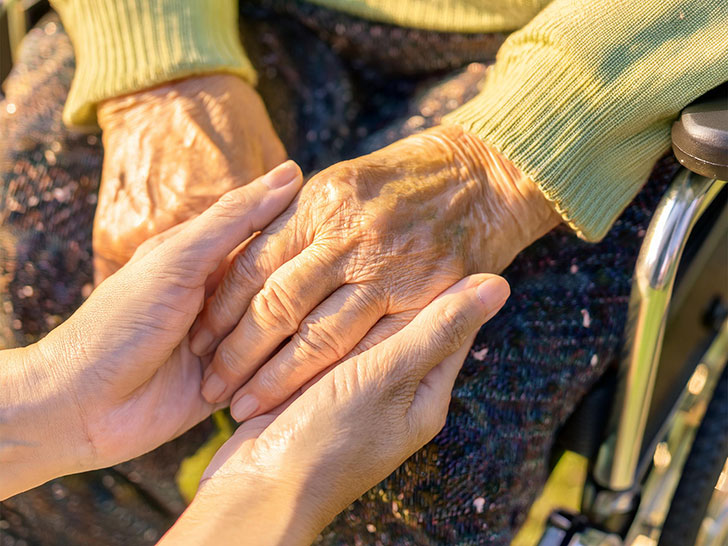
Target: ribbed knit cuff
[568, 131]
[124, 46]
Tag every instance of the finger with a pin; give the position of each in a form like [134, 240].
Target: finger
[325, 336]
[213, 280]
[441, 379]
[155, 240]
[226, 455]
[431, 403]
[440, 329]
[250, 430]
[239, 213]
[385, 328]
[274, 314]
[216, 277]
[244, 278]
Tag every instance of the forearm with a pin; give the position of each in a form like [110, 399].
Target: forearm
[40, 432]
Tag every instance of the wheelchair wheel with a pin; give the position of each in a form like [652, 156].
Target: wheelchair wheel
[701, 472]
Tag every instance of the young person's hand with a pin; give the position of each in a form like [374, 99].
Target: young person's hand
[117, 379]
[285, 474]
[170, 152]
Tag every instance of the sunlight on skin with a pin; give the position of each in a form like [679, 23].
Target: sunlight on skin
[122, 379]
[368, 243]
[170, 152]
[285, 474]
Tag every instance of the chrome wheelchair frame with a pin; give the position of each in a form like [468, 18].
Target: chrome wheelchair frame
[634, 477]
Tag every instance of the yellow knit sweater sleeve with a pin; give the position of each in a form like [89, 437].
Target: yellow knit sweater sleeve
[583, 97]
[123, 46]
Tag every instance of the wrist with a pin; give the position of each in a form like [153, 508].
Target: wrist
[246, 508]
[208, 92]
[514, 211]
[524, 203]
[40, 425]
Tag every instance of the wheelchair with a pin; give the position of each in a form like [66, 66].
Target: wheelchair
[655, 429]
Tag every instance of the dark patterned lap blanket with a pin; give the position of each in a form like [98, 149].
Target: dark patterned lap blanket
[349, 93]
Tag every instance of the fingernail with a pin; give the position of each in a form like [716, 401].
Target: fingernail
[244, 407]
[201, 342]
[212, 388]
[282, 175]
[493, 292]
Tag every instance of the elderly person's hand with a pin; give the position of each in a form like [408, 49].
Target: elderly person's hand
[368, 244]
[284, 475]
[170, 152]
[117, 379]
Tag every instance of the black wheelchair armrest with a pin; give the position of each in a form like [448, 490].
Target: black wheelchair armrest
[700, 135]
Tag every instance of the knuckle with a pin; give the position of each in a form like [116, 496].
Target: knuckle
[220, 314]
[274, 308]
[320, 343]
[243, 267]
[269, 382]
[231, 203]
[228, 360]
[337, 183]
[451, 330]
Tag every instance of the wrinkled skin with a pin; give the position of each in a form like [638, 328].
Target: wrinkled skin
[368, 244]
[123, 380]
[285, 474]
[170, 152]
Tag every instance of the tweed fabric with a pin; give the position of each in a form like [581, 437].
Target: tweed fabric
[523, 376]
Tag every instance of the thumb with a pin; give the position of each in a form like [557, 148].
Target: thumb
[441, 328]
[206, 240]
